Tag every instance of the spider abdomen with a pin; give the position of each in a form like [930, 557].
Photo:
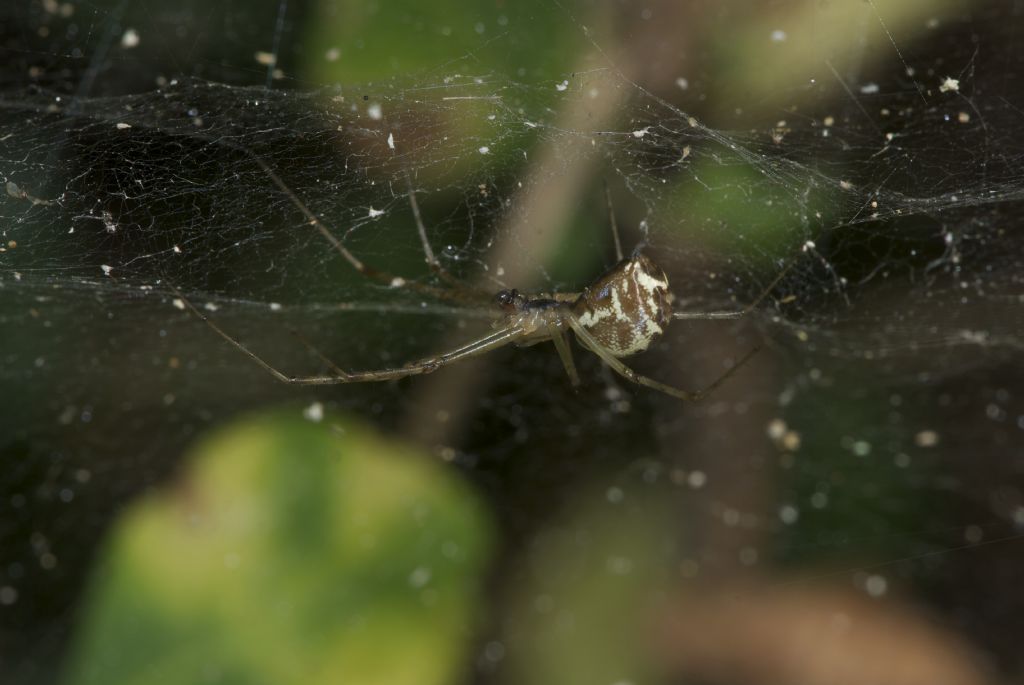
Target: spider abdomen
[628, 307]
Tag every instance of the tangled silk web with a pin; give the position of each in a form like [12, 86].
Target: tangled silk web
[895, 193]
[897, 217]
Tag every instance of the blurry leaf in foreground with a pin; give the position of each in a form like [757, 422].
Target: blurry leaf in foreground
[289, 554]
[582, 610]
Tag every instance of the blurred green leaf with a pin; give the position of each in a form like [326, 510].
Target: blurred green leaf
[584, 608]
[290, 554]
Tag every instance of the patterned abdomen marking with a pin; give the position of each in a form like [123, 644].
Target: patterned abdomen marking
[628, 307]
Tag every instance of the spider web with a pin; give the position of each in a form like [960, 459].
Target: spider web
[891, 185]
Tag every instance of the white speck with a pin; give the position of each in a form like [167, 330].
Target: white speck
[641, 132]
[374, 213]
[121, 125]
[129, 39]
[926, 438]
[314, 412]
[696, 479]
[484, 150]
[564, 85]
[106, 269]
[275, 306]
[210, 307]
[869, 88]
[876, 585]
[265, 58]
[950, 85]
[789, 514]
[614, 495]
[391, 141]
[809, 245]
[479, 27]
[332, 54]
[779, 36]
[397, 282]
[932, 23]
[374, 112]
[178, 303]
[176, 249]
[682, 83]
[419, 577]
[862, 448]
[776, 429]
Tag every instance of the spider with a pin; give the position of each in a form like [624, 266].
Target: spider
[618, 315]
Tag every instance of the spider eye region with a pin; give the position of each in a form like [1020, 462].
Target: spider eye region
[509, 300]
[628, 307]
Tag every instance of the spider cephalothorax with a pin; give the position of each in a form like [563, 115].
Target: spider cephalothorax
[627, 307]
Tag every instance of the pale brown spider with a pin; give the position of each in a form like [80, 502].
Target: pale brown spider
[619, 314]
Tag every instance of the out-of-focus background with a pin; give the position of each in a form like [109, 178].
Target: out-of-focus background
[847, 508]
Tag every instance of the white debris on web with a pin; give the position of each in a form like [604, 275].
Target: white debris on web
[178, 303]
[391, 141]
[267, 59]
[374, 213]
[314, 412]
[106, 268]
[564, 85]
[374, 111]
[129, 39]
[949, 85]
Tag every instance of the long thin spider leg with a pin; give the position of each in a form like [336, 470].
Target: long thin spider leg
[370, 272]
[629, 374]
[565, 353]
[473, 348]
[421, 229]
[612, 223]
[740, 313]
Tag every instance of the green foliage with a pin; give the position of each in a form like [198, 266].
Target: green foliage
[290, 554]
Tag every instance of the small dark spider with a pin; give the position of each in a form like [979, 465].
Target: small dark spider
[619, 314]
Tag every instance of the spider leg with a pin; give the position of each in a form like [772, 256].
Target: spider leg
[740, 313]
[476, 347]
[428, 252]
[619, 367]
[565, 352]
[370, 272]
[611, 222]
